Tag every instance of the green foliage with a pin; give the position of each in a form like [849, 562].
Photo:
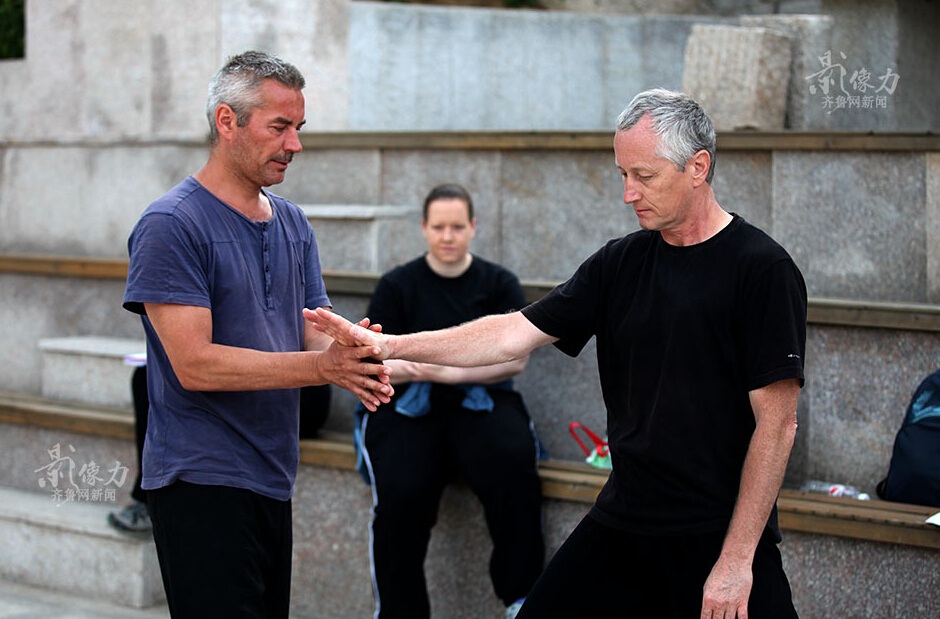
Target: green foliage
[12, 28]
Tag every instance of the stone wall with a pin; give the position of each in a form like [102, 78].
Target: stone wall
[861, 225]
[106, 113]
[102, 70]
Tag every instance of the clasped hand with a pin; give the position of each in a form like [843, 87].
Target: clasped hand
[373, 386]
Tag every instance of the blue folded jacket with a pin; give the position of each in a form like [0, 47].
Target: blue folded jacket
[416, 401]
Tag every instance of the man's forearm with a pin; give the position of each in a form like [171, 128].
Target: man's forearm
[414, 371]
[764, 465]
[484, 341]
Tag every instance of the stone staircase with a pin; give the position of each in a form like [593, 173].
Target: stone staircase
[54, 505]
[69, 546]
[92, 370]
[364, 238]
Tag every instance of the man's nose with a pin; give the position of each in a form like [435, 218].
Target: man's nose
[292, 143]
[630, 193]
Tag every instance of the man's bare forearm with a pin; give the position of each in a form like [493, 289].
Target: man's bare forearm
[489, 340]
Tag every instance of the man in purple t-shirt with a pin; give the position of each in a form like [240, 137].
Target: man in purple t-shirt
[220, 270]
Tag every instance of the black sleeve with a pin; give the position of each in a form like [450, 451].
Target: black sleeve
[572, 310]
[775, 317]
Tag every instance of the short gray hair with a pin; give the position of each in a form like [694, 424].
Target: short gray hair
[238, 82]
[683, 127]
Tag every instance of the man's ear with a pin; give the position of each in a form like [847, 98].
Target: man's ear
[699, 165]
[225, 119]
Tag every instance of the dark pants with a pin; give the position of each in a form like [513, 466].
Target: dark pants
[314, 409]
[411, 460]
[224, 552]
[603, 572]
[141, 406]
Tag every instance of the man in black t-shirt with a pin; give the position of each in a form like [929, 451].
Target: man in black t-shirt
[700, 323]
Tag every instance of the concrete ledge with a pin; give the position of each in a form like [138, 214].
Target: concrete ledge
[69, 546]
[823, 311]
[29, 410]
[871, 141]
[876, 521]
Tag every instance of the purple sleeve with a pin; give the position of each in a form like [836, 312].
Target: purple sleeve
[165, 265]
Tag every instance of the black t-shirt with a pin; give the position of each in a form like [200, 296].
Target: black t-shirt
[412, 297]
[683, 334]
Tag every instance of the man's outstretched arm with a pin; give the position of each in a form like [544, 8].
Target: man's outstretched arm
[498, 338]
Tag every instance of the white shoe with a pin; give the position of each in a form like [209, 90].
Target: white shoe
[513, 609]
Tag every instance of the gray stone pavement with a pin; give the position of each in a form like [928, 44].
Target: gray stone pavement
[23, 602]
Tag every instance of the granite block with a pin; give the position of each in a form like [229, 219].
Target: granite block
[629, 7]
[739, 75]
[456, 68]
[53, 62]
[115, 27]
[111, 71]
[334, 176]
[918, 102]
[854, 222]
[331, 545]
[810, 37]
[445, 68]
[558, 209]
[99, 192]
[859, 383]
[932, 178]
[181, 61]
[743, 185]
[311, 34]
[884, 580]
[866, 38]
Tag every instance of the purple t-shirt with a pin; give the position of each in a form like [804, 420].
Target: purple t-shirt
[190, 248]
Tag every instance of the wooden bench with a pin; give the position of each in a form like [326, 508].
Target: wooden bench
[878, 521]
[821, 311]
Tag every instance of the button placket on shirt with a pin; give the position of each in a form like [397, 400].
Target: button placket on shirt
[266, 262]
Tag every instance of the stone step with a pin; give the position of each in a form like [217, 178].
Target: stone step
[69, 546]
[365, 238]
[89, 369]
